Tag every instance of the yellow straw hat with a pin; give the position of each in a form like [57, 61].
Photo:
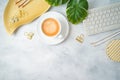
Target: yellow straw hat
[16, 15]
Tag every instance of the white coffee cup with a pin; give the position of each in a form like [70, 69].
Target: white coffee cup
[50, 27]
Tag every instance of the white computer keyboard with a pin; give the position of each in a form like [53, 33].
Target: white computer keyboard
[103, 19]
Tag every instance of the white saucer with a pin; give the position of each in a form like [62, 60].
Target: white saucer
[64, 25]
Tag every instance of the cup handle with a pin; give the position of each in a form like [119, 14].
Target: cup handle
[60, 36]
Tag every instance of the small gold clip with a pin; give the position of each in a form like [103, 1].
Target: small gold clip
[80, 38]
[29, 35]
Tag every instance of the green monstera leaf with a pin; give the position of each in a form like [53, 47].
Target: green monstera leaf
[56, 2]
[77, 10]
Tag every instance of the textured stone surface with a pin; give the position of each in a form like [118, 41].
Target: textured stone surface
[23, 59]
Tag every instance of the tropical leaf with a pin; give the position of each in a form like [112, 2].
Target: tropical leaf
[56, 2]
[77, 10]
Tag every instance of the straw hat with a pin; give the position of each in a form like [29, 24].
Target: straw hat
[15, 16]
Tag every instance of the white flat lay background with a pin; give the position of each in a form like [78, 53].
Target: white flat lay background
[23, 59]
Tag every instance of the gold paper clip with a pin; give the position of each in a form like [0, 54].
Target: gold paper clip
[80, 38]
[29, 35]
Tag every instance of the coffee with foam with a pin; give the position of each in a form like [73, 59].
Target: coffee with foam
[50, 27]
